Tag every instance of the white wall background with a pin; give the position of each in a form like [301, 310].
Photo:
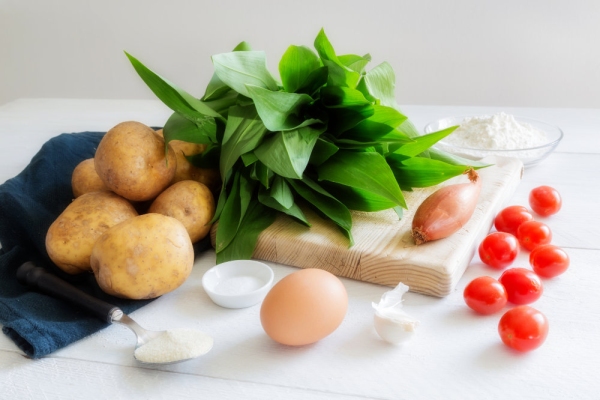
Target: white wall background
[458, 52]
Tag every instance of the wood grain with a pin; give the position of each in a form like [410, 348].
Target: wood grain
[384, 251]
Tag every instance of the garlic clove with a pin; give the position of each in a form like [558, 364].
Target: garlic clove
[392, 323]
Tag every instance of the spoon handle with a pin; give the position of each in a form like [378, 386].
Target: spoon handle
[38, 278]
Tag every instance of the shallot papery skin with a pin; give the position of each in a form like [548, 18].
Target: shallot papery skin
[446, 210]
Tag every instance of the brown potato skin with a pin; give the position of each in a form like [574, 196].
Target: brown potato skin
[85, 179]
[71, 237]
[143, 257]
[130, 160]
[191, 203]
[187, 171]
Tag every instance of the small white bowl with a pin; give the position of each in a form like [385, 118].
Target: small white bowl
[238, 283]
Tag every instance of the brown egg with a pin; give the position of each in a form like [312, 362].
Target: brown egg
[304, 307]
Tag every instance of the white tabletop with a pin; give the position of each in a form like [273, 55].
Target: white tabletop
[455, 354]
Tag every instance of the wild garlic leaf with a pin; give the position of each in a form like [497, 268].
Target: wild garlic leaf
[324, 203]
[418, 172]
[343, 119]
[339, 74]
[424, 142]
[176, 99]
[366, 171]
[293, 211]
[358, 199]
[216, 88]
[261, 173]
[234, 210]
[178, 127]
[281, 192]
[249, 159]
[208, 159]
[257, 219]
[322, 151]
[287, 153]
[381, 84]
[355, 62]
[280, 111]
[435, 154]
[296, 66]
[342, 97]
[239, 68]
[383, 121]
[314, 81]
[243, 132]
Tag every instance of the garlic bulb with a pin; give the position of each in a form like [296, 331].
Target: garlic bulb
[392, 323]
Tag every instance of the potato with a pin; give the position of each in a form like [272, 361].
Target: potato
[130, 160]
[191, 203]
[143, 257]
[71, 237]
[186, 171]
[85, 179]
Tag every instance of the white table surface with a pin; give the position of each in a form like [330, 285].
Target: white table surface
[455, 354]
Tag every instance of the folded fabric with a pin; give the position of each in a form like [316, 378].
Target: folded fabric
[29, 203]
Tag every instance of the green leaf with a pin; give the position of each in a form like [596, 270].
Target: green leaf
[424, 142]
[439, 155]
[357, 199]
[296, 66]
[234, 210]
[355, 62]
[381, 84]
[249, 159]
[287, 153]
[383, 122]
[220, 203]
[343, 119]
[339, 74]
[260, 172]
[176, 99]
[216, 88]
[281, 192]
[325, 203]
[257, 219]
[399, 212]
[314, 81]
[322, 151]
[243, 132]
[240, 68]
[209, 158]
[338, 97]
[366, 171]
[293, 211]
[421, 172]
[181, 128]
[280, 111]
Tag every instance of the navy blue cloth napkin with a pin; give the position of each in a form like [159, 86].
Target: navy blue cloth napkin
[29, 203]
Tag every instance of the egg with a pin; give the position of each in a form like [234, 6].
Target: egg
[304, 307]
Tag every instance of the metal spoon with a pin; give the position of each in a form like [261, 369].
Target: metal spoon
[38, 278]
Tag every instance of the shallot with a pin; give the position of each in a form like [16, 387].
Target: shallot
[446, 210]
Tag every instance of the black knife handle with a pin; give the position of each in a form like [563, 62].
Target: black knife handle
[38, 278]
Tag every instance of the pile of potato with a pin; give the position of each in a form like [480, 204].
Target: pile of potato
[137, 211]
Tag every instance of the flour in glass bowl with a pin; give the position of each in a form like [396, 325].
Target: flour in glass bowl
[497, 132]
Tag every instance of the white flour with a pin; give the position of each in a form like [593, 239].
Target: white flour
[175, 345]
[239, 285]
[497, 132]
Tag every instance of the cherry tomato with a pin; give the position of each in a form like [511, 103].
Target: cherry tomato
[523, 328]
[522, 285]
[545, 200]
[509, 219]
[499, 249]
[485, 295]
[532, 234]
[549, 260]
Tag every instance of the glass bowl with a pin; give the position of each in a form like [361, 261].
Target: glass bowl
[529, 156]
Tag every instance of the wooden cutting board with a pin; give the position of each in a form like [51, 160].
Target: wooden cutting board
[384, 251]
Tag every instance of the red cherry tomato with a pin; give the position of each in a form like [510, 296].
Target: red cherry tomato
[532, 234]
[485, 295]
[509, 219]
[545, 200]
[499, 249]
[523, 328]
[522, 285]
[549, 260]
